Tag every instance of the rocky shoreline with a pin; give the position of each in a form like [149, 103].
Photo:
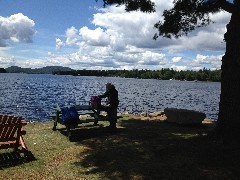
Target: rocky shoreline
[160, 116]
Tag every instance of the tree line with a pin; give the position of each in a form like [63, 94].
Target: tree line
[43, 70]
[2, 70]
[163, 74]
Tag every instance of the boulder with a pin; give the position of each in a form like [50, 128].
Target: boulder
[184, 116]
[156, 114]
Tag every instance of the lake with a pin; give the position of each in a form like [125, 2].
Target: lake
[34, 95]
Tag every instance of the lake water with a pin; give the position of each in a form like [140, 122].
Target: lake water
[33, 96]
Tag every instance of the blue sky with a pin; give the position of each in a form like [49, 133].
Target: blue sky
[83, 35]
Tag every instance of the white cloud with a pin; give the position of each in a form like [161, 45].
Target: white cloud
[16, 28]
[95, 37]
[207, 59]
[7, 61]
[134, 28]
[150, 58]
[179, 68]
[124, 40]
[59, 43]
[176, 59]
[214, 62]
[50, 54]
[71, 34]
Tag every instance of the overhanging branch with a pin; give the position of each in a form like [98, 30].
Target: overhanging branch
[225, 5]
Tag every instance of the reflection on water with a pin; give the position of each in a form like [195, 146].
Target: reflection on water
[33, 96]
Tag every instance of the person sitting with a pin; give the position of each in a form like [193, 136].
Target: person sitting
[111, 104]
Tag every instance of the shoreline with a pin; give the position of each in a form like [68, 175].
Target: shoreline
[158, 116]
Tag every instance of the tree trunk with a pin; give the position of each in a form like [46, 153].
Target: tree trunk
[229, 108]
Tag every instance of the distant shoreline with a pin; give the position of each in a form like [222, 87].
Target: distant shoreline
[161, 74]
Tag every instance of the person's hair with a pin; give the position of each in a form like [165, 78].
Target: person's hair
[110, 86]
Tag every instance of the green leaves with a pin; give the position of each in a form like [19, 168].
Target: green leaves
[185, 16]
[133, 5]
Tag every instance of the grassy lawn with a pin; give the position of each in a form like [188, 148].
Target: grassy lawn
[139, 149]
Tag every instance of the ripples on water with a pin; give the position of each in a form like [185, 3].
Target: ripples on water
[33, 96]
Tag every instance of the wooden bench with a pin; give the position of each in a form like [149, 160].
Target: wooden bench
[94, 114]
[11, 133]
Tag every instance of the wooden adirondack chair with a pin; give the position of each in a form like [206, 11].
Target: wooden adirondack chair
[11, 133]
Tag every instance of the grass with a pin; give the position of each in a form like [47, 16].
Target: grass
[139, 149]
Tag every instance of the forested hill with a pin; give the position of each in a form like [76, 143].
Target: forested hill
[44, 70]
[163, 74]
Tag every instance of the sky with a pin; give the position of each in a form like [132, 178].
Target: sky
[84, 35]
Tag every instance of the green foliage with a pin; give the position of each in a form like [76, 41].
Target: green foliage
[184, 17]
[2, 70]
[133, 5]
[163, 74]
[44, 70]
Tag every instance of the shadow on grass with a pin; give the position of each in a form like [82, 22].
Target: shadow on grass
[15, 158]
[89, 132]
[157, 150]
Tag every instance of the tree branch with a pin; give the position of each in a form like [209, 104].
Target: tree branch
[225, 5]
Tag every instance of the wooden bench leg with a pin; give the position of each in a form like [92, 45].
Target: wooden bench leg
[95, 123]
[54, 126]
[69, 133]
[55, 121]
